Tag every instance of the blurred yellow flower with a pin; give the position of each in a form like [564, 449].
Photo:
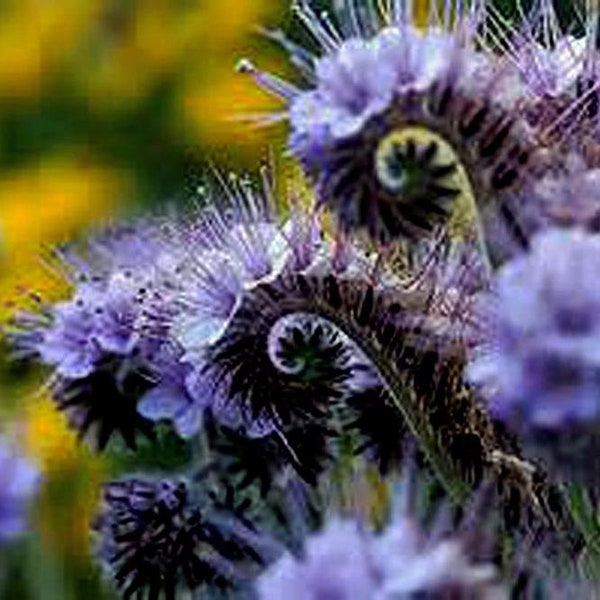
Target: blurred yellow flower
[72, 478]
[213, 97]
[91, 64]
[46, 435]
[139, 44]
[46, 203]
[36, 39]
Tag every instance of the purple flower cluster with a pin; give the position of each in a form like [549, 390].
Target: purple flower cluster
[539, 360]
[103, 316]
[19, 482]
[98, 342]
[228, 252]
[233, 248]
[360, 80]
[99, 320]
[348, 563]
[133, 344]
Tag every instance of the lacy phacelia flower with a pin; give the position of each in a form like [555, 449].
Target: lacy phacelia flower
[399, 125]
[234, 356]
[153, 540]
[539, 359]
[170, 398]
[347, 563]
[97, 342]
[559, 77]
[19, 481]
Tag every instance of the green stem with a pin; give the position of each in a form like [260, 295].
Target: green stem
[445, 470]
[457, 489]
[587, 521]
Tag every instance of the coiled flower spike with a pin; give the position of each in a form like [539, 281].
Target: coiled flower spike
[234, 245]
[271, 326]
[403, 130]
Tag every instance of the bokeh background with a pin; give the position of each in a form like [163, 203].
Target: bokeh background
[108, 108]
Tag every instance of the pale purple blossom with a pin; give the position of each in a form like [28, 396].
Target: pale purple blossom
[550, 72]
[19, 482]
[410, 564]
[185, 395]
[360, 79]
[170, 399]
[571, 197]
[347, 562]
[69, 344]
[538, 360]
[104, 314]
[230, 252]
[336, 564]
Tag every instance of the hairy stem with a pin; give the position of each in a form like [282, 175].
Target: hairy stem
[403, 399]
[387, 326]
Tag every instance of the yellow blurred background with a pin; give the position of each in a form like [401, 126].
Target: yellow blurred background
[107, 108]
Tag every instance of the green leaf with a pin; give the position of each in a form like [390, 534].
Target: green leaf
[168, 452]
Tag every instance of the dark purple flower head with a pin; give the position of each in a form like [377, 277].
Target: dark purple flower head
[539, 357]
[154, 540]
[19, 481]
